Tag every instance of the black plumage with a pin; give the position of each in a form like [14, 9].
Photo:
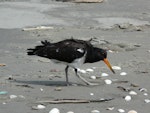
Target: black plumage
[72, 53]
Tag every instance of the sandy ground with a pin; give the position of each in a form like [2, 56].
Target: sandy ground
[124, 24]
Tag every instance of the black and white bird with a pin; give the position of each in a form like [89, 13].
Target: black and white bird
[72, 53]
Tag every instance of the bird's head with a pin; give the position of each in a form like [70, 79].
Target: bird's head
[102, 54]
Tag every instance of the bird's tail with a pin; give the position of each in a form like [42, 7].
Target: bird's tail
[39, 50]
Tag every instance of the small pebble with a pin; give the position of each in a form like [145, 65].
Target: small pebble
[104, 75]
[107, 81]
[13, 96]
[123, 73]
[147, 100]
[116, 67]
[93, 77]
[121, 110]
[41, 89]
[127, 98]
[95, 111]
[133, 93]
[54, 110]
[89, 70]
[132, 111]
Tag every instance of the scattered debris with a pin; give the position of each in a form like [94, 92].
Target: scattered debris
[95, 111]
[123, 73]
[127, 98]
[54, 110]
[104, 75]
[38, 28]
[107, 81]
[132, 111]
[63, 101]
[121, 110]
[116, 67]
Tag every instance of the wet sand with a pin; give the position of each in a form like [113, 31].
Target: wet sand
[119, 26]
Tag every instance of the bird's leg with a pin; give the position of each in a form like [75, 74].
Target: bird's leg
[87, 82]
[66, 71]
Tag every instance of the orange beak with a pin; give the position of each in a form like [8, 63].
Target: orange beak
[108, 64]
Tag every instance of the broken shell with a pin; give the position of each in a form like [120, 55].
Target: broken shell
[104, 75]
[95, 111]
[58, 89]
[116, 67]
[132, 111]
[54, 110]
[121, 110]
[12, 96]
[89, 70]
[41, 89]
[133, 93]
[107, 81]
[93, 77]
[123, 73]
[147, 100]
[110, 108]
[127, 98]
[143, 90]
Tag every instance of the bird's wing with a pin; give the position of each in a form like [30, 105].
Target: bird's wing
[66, 51]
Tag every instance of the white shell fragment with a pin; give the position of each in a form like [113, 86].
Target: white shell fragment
[89, 70]
[116, 67]
[41, 106]
[123, 73]
[93, 77]
[95, 111]
[132, 111]
[121, 110]
[81, 71]
[147, 100]
[110, 108]
[70, 112]
[12, 96]
[127, 98]
[107, 81]
[54, 110]
[91, 94]
[133, 93]
[145, 94]
[143, 90]
[104, 75]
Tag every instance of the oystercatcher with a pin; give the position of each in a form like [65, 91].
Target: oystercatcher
[72, 53]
